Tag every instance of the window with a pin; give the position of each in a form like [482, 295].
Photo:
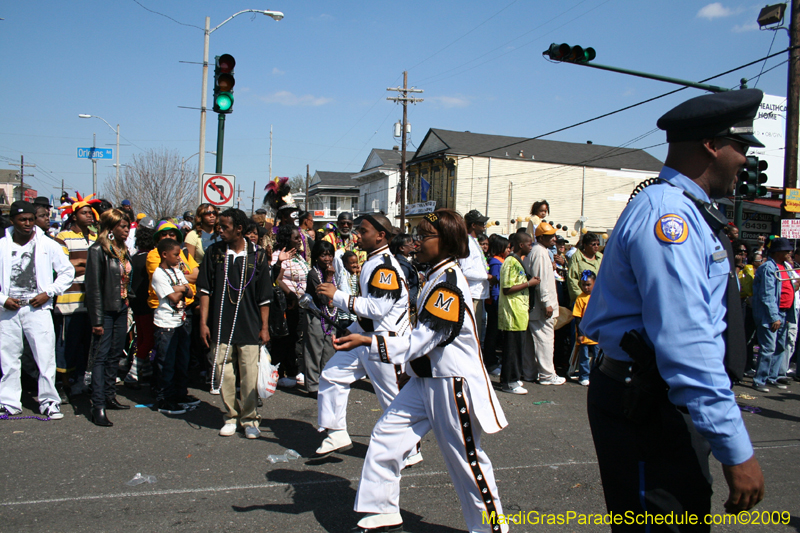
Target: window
[332, 206]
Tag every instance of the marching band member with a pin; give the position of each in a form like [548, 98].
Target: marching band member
[382, 309]
[449, 391]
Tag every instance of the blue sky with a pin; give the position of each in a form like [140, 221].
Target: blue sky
[319, 76]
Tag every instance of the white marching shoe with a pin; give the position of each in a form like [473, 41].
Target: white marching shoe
[337, 439]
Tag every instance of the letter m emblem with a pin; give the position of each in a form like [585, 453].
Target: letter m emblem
[385, 278]
[443, 304]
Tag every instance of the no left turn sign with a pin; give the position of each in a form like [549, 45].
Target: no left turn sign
[218, 189]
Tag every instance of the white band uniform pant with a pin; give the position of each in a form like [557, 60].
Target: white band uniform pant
[342, 370]
[444, 406]
[37, 326]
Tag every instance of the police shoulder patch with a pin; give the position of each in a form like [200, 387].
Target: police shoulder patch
[443, 310]
[672, 229]
[385, 281]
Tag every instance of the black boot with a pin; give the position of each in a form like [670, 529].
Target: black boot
[99, 417]
[113, 404]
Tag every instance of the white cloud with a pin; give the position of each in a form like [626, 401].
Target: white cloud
[290, 99]
[277, 72]
[450, 102]
[717, 10]
[739, 28]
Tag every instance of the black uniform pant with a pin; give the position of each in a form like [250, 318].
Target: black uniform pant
[656, 467]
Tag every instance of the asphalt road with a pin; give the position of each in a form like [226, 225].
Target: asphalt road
[70, 475]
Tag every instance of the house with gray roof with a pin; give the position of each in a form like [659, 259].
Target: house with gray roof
[330, 193]
[378, 182]
[586, 185]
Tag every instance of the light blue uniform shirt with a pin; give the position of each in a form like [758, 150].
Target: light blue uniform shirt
[666, 277]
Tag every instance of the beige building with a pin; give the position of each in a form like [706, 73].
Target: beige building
[502, 177]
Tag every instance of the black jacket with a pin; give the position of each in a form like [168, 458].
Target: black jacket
[103, 294]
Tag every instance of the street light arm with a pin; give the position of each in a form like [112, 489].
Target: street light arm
[101, 118]
[277, 15]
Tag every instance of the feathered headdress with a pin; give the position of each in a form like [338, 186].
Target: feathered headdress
[279, 196]
[78, 202]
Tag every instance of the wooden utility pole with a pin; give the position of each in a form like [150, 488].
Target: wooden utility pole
[404, 99]
[792, 101]
[238, 196]
[308, 178]
[253, 203]
[22, 175]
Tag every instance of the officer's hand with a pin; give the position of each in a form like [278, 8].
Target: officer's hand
[775, 326]
[12, 304]
[98, 331]
[327, 290]
[746, 484]
[39, 300]
[549, 311]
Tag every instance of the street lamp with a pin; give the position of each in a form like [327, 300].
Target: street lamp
[276, 15]
[183, 161]
[116, 166]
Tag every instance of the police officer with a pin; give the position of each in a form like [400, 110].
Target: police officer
[661, 398]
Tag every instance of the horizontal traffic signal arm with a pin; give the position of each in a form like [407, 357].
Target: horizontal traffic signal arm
[577, 55]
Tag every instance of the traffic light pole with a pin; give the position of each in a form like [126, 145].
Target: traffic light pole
[220, 141]
[738, 207]
[676, 81]
[792, 115]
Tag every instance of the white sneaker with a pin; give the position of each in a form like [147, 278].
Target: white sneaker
[287, 383]
[228, 430]
[53, 411]
[252, 432]
[337, 439]
[513, 388]
[555, 380]
[300, 379]
[413, 459]
[584, 382]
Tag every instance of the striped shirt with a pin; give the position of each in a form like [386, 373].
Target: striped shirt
[76, 246]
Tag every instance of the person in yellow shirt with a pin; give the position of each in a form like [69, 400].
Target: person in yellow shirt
[190, 270]
[587, 348]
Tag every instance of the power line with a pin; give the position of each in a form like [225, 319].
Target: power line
[167, 16]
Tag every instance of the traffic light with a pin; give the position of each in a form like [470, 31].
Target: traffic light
[223, 83]
[752, 178]
[570, 54]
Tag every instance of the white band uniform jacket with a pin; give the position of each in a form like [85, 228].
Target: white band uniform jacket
[378, 313]
[459, 358]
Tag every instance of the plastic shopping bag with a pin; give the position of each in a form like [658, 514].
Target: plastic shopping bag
[267, 374]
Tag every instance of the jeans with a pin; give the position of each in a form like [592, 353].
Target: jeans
[493, 336]
[773, 346]
[586, 353]
[172, 361]
[107, 353]
[73, 340]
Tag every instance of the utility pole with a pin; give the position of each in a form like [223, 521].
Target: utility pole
[308, 178]
[270, 154]
[201, 164]
[22, 175]
[253, 203]
[792, 101]
[238, 196]
[94, 165]
[404, 99]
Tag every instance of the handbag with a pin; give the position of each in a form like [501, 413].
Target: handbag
[278, 326]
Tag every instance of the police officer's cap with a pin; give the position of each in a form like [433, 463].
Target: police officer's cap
[727, 114]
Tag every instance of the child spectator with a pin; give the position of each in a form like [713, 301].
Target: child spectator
[348, 283]
[321, 322]
[172, 334]
[587, 348]
[498, 251]
[513, 313]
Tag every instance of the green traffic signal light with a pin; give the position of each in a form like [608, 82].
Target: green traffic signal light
[570, 54]
[223, 83]
[752, 179]
[223, 102]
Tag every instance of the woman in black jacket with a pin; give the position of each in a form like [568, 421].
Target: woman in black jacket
[108, 270]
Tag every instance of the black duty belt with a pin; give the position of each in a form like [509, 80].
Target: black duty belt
[617, 370]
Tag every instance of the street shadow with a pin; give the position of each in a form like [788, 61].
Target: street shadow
[331, 499]
[771, 413]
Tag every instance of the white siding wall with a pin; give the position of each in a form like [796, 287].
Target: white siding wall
[515, 185]
[384, 190]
